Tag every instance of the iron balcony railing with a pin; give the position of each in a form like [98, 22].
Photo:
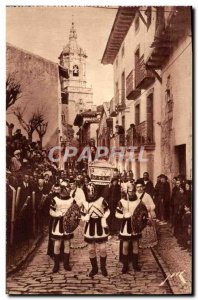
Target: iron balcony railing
[141, 134]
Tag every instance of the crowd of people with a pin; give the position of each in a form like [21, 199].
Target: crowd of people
[23, 157]
[173, 203]
[31, 174]
[42, 188]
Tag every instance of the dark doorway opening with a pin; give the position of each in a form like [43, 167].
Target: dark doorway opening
[181, 158]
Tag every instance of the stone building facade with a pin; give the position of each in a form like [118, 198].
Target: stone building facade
[39, 79]
[87, 123]
[105, 127]
[176, 109]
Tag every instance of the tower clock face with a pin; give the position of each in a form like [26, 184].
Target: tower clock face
[75, 70]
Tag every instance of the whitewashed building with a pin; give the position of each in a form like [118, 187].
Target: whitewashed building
[150, 49]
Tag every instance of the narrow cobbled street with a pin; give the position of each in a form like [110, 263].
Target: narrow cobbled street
[37, 277]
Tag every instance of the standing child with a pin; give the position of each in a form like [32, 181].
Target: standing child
[187, 225]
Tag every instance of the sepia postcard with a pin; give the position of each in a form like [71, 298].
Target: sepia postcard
[99, 150]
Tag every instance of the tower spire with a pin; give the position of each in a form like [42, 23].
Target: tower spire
[73, 34]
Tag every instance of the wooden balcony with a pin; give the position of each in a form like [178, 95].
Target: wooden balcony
[171, 25]
[144, 133]
[131, 92]
[140, 135]
[113, 109]
[143, 77]
[120, 107]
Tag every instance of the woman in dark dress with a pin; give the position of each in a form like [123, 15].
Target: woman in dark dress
[113, 196]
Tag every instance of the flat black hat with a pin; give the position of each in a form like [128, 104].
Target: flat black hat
[139, 181]
[72, 180]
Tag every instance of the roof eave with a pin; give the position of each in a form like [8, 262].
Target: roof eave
[125, 15]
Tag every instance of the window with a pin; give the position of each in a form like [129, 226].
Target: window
[168, 95]
[75, 71]
[137, 56]
[123, 88]
[148, 13]
[116, 94]
[64, 97]
[149, 112]
[137, 24]
[63, 117]
[123, 122]
[180, 152]
[137, 114]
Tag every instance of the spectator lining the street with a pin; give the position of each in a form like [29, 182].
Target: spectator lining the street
[188, 192]
[156, 197]
[163, 199]
[15, 164]
[116, 173]
[187, 226]
[178, 208]
[112, 197]
[148, 185]
[124, 183]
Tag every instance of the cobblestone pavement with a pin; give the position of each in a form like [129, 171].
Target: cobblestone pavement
[176, 259]
[37, 277]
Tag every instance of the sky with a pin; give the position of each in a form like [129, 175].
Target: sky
[45, 30]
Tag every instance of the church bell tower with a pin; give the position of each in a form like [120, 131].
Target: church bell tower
[80, 97]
